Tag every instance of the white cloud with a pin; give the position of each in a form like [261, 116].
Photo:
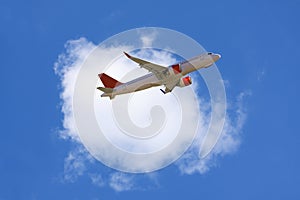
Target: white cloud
[75, 164]
[228, 143]
[120, 181]
[97, 179]
[148, 38]
[106, 137]
[67, 67]
[261, 74]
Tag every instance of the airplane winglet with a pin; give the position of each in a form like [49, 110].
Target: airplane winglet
[126, 54]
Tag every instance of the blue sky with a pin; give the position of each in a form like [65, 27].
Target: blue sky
[259, 43]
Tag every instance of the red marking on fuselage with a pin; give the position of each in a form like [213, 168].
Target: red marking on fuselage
[176, 68]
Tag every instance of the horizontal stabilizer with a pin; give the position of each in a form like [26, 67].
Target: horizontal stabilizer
[105, 90]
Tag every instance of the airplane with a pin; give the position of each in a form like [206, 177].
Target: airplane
[170, 77]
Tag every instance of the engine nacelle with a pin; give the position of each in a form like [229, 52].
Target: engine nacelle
[175, 69]
[185, 81]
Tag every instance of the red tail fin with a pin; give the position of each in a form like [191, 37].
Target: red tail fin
[108, 81]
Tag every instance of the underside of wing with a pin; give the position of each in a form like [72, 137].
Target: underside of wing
[170, 86]
[151, 67]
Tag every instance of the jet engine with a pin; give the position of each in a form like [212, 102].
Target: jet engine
[185, 81]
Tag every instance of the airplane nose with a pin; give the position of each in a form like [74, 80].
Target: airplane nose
[216, 57]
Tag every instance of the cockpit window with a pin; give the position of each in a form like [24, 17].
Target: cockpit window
[209, 53]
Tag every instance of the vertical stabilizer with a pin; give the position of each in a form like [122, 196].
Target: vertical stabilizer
[108, 81]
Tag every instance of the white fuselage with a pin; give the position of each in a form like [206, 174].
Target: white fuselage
[167, 76]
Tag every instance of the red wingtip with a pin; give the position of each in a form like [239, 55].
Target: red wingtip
[126, 54]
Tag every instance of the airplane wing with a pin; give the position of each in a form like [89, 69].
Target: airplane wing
[151, 67]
